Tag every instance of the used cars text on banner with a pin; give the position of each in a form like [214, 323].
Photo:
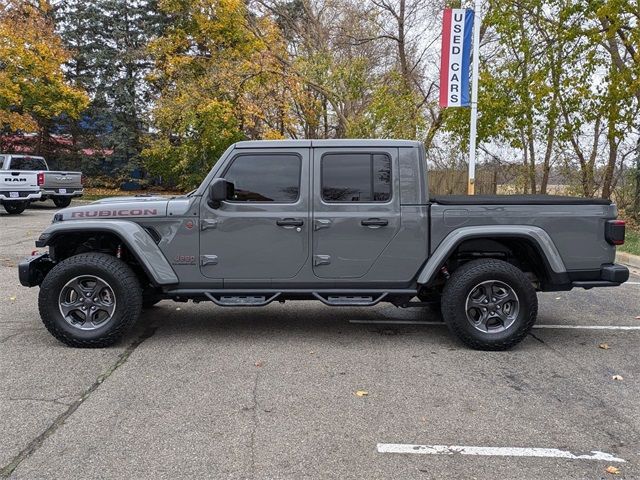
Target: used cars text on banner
[456, 57]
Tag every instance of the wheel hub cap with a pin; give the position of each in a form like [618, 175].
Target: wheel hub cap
[492, 306]
[87, 302]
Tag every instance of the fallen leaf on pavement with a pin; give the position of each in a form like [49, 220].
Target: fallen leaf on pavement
[604, 346]
[259, 363]
[312, 352]
[618, 377]
[362, 393]
[13, 299]
[612, 470]
[638, 317]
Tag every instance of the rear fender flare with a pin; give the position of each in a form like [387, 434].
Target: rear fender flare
[541, 239]
[137, 240]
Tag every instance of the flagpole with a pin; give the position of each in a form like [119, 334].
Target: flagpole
[471, 187]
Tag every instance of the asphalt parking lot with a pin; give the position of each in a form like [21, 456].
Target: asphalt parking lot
[203, 392]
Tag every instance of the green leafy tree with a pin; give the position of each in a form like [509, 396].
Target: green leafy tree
[33, 89]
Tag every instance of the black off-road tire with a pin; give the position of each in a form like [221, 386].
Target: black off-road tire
[61, 202]
[126, 289]
[462, 283]
[15, 208]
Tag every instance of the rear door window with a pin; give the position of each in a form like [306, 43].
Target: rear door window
[356, 177]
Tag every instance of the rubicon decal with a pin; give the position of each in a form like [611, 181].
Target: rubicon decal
[125, 212]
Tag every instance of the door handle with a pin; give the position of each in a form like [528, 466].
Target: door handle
[290, 222]
[375, 222]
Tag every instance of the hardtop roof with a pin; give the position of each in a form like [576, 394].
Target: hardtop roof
[342, 142]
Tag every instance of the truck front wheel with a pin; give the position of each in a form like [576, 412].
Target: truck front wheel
[14, 208]
[90, 300]
[489, 304]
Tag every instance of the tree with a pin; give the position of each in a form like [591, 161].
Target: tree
[220, 73]
[33, 89]
[111, 61]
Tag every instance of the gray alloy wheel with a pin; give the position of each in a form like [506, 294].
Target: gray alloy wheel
[87, 302]
[492, 306]
[472, 295]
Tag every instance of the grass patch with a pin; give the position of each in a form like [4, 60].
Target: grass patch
[631, 242]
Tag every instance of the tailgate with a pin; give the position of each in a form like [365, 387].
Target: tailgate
[18, 180]
[68, 180]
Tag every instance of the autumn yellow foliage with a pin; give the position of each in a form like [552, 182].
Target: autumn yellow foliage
[32, 82]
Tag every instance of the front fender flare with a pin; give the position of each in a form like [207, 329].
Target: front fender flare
[137, 240]
[537, 235]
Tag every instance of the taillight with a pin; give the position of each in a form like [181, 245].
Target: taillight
[40, 179]
[614, 231]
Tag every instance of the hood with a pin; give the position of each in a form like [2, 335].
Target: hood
[117, 207]
[131, 199]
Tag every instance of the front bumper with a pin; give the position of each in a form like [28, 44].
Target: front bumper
[611, 275]
[19, 196]
[32, 270]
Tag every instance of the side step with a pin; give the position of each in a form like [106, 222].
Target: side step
[261, 297]
[241, 300]
[350, 300]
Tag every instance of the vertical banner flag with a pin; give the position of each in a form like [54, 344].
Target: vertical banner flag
[456, 57]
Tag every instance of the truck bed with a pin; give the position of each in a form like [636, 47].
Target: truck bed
[516, 200]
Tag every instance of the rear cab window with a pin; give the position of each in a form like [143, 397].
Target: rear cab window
[356, 177]
[28, 163]
[265, 177]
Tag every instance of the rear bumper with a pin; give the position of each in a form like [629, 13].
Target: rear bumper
[68, 192]
[5, 195]
[611, 275]
[32, 270]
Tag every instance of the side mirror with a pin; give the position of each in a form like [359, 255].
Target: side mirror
[220, 190]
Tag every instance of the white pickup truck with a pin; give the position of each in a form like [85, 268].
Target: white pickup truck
[17, 189]
[58, 186]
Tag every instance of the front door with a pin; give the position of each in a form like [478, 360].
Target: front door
[356, 209]
[263, 231]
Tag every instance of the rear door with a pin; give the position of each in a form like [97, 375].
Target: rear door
[356, 209]
[263, 231]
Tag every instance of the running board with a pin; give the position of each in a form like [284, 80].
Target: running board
[261, 297]
[241, 300]
[350, 300]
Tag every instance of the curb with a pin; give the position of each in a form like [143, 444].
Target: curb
[625, 258]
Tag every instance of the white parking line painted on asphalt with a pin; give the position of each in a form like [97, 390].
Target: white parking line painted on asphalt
[397, 322]
[592, 327]
[494, 451]
[578, 327]
[631, 283]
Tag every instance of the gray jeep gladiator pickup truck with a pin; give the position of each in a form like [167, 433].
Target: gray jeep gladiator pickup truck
[345, 222]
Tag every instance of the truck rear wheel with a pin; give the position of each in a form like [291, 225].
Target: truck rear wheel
[90, 300]
[14, 208]
[489, 304]
[62, 202]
